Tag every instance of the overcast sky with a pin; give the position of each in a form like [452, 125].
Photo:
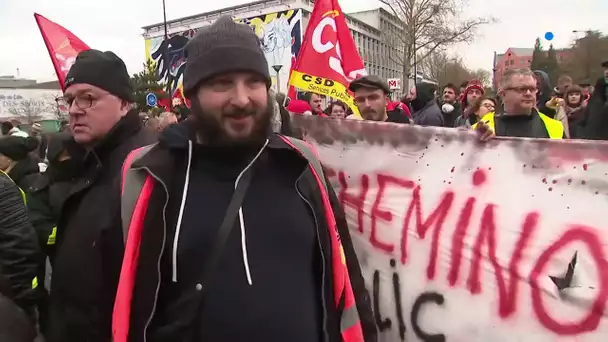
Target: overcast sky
[116, 25]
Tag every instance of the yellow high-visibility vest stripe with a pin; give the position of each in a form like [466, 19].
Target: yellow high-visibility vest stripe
[52, 237]
[554, 127]
[35, 280]
[20, 190]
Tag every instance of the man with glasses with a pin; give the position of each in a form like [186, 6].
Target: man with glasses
[520, 118]
[89, 241]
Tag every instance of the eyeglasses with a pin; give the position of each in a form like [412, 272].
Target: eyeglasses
[488, 105]
[84, 101]
[523, 89]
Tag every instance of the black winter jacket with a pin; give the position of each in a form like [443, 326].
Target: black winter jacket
[89, 245]
[167, 163]
[595, 122]
[26, 174]
[19, 250]
[14, 324]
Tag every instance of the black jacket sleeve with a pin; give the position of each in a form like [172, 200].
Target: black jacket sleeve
[362, 298]
[19, 250]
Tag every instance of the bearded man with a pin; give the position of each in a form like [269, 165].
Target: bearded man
[233, 231]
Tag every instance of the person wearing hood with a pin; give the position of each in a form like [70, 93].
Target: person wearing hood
[89, 247]
[231, 228]
[469, 101]
[519, 116]
[595, 123]
[425, 111]
[545, 93]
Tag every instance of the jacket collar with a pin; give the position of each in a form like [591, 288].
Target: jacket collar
[126, 127]
[162, 160]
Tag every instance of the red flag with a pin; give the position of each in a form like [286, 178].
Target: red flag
[328, 60]
[179, 96]
[63, 46]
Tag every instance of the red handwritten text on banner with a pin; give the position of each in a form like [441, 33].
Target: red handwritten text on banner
[464, 241]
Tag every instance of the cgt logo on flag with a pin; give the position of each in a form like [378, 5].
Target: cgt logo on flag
[65, 63]
[329, 59]
[322, 46]
[63, 46]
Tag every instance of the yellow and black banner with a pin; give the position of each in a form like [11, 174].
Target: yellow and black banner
[323, 86]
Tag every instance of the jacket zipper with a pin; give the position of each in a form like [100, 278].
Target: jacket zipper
[162, 250]
[165, 238]
[325, 334]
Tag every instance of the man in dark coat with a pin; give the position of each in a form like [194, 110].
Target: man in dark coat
[22, 168]
[14, 323]
[544, 94]
[19, 250]
[595, 124]
[425, 110]
[211, 266]
[89, 244]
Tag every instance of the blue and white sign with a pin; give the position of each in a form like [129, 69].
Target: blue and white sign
[151, 99]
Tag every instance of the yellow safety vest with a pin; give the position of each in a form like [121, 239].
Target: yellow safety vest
[35, 280]
[554, 127]
[20, 190]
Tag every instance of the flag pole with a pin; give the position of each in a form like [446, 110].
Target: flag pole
[166, 53]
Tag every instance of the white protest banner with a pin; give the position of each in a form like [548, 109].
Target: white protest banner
[465, 241]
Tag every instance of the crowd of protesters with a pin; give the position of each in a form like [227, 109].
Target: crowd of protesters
[526, 104]
[216, 223]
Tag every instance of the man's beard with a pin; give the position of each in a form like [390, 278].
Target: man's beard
[211, 131]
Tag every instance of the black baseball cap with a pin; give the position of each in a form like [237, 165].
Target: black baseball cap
[371, 82]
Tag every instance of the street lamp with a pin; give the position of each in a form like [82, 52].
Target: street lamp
[277, 68]
[167, 47]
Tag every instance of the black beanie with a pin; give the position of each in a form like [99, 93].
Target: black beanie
[17, 148]
[104, 70]
[225, 46]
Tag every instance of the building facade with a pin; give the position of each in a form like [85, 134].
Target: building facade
[287, 20]
[27, 100]
[518, 58]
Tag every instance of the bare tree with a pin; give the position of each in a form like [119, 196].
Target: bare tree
[428, 26]
[33, 110]
[587, 53]
[444, 69]
[482, 75]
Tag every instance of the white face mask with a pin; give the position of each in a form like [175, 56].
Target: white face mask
[447, 108]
